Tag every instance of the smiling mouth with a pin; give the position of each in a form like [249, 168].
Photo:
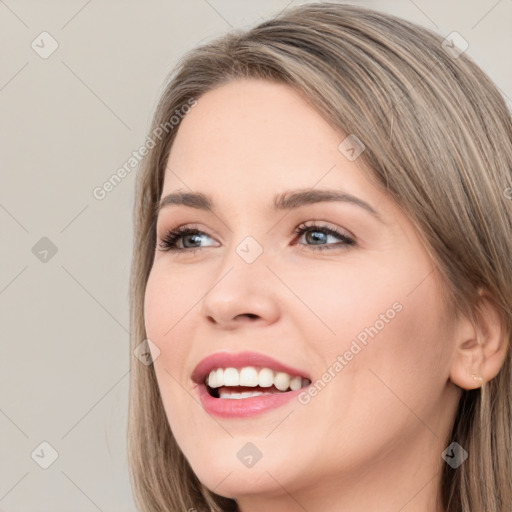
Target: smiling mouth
[248, 382]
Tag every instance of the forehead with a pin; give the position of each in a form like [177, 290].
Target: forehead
[257, 134]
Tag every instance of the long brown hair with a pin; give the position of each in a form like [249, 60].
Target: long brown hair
[438, 139]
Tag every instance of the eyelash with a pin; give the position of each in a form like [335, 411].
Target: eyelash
[168, 242]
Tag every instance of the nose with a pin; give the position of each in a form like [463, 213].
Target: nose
[242, 293]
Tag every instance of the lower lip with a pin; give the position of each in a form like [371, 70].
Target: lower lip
[243, 407]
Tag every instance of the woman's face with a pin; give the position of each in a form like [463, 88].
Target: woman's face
[358, 314]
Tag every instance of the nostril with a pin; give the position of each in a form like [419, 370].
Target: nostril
[247, 315]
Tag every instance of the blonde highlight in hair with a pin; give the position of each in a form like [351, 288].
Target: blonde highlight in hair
[438, 139]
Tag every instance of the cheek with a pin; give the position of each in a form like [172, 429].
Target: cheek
[341, 303]
[404, 355]
[164, 317]
[153, 303]
[389, 331]
[167, 300]
[170, 304]
[161, 314]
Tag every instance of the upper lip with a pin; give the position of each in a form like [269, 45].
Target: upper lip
[240, 360]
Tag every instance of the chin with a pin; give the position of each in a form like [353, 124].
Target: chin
[235, 482]
[224, 472]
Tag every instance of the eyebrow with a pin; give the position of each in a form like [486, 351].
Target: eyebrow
[286, 201]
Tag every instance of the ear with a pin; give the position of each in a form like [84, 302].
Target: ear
[480, 348]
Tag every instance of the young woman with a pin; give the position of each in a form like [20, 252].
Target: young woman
[322, 275]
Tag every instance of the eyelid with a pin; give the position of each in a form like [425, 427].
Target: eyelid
[328, 226]
[192, 226]
[177, 233]
[167, 243]
[312, 225]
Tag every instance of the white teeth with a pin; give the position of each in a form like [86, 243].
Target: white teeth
[252, 377]
[265, 378]
[248, 376]
[282, 381]
[212, 379]
[295, 383]
[246, 394]
[231, 377]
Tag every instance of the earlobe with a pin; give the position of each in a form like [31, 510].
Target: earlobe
[480, 348]
[468, 364]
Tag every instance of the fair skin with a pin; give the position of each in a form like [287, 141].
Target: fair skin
[372, 438]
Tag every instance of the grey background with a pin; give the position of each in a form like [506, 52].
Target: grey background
[68, 122]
